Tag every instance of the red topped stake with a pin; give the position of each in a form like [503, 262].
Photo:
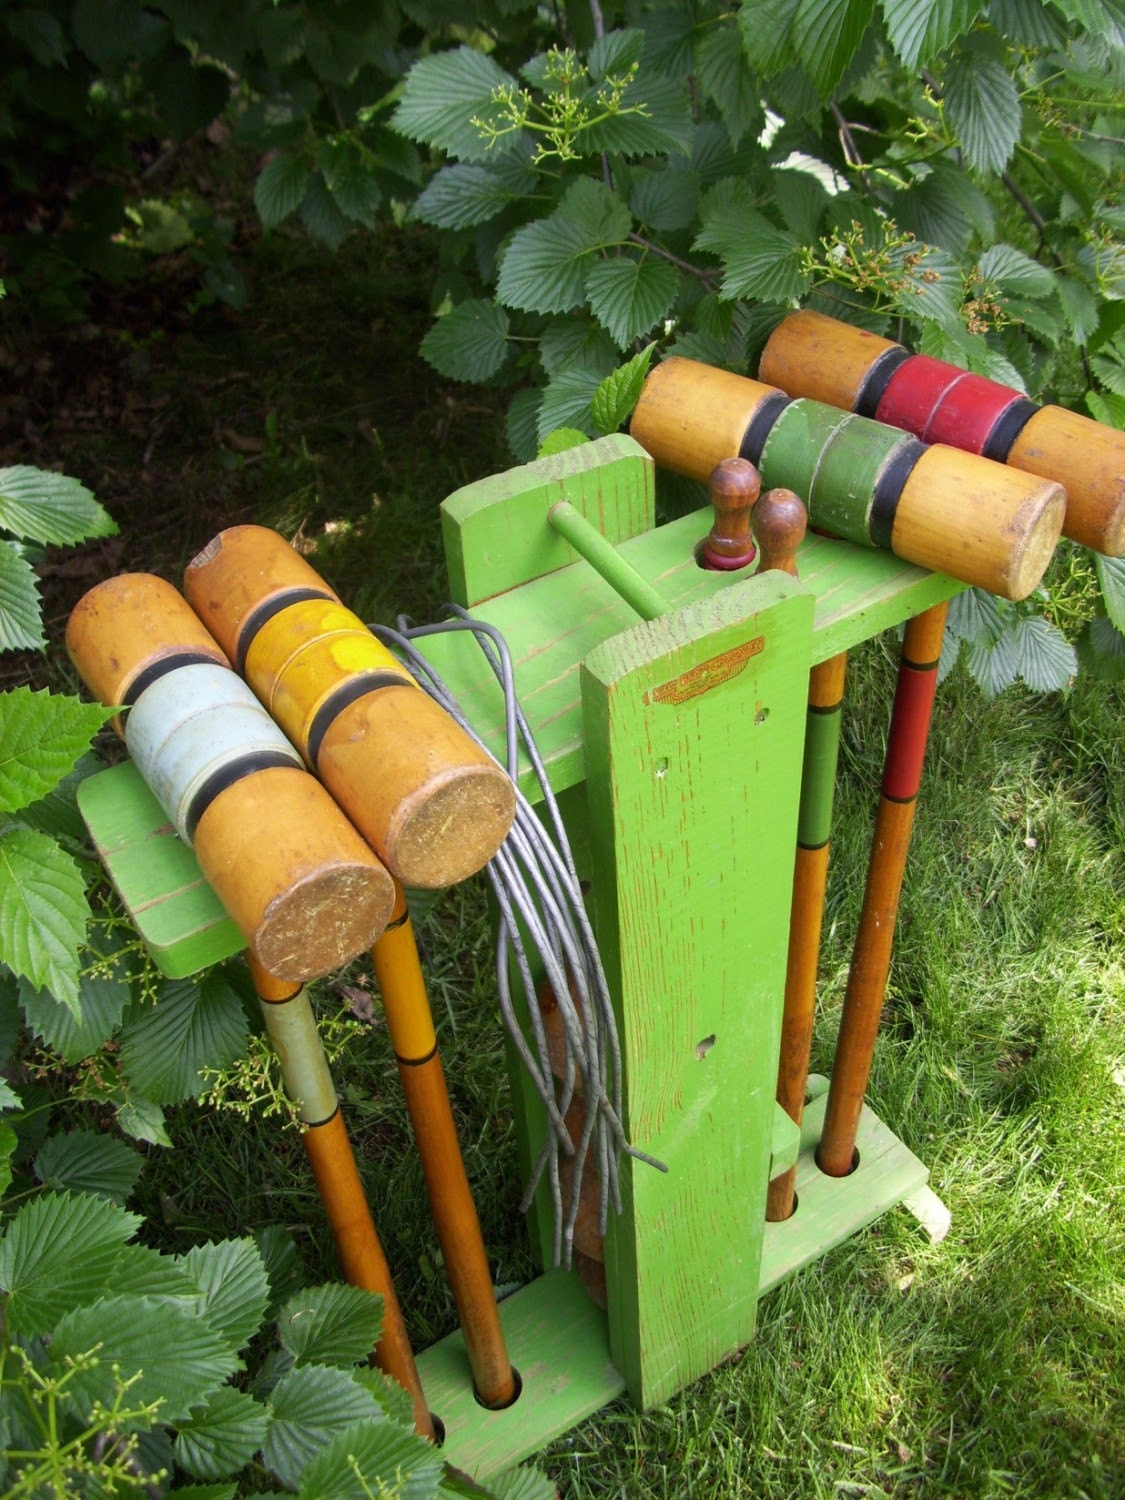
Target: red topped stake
[734, 485]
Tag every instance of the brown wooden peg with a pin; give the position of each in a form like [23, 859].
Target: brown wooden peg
[734, 485]
[779, 521]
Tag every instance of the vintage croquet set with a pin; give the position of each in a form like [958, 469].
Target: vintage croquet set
[633, 728]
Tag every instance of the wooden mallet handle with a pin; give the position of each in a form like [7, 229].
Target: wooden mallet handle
[734, 486]
[779, 521]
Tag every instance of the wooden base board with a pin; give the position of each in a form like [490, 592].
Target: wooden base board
[559, 1341]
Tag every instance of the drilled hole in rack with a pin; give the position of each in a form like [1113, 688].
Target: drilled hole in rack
[503, 1405]
[439, 1430]
[851, 1169]
[702, 1048]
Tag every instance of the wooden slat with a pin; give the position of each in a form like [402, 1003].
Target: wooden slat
[155, 874]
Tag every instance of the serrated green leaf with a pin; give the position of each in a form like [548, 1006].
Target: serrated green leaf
[1047, 660]
[801, 200]
[615, 53]
[321, 215]
[441, 97]
[1013, 271]
[104, 990]
[9, 1099]
[767, 268]
[665, 198]
[56, 1254]
[665, 125]
[567, 402]
[994, 667]
[935, 208]
[1101, 650]
[309, 1406]
[975, 615]
[1111, 577]
[192, 1026]
[278, 1250]
[175, 1357]
[1106, 408]
[41, 736]
[9, 1140]
[221, 1434]
[141, 1119]
[470, 342]
[349, 174]
[983, 105]
[560, 440]
[767, 34]
[629, 296]
[577, 344]
[143, 1272]
[280, 187]
[521, 424]
[544, 267]
[1027, 21]
[364, 1461]
[233, 1286]
[331, 1325]
[596, 210]
[57, 813]
[466, 194]
[920, 29]
[43, 913]
[724, 74]
[21, 614]
[522, 1484]
[1080, 308]
[619, 392]
[826, 34]
[85, 1161]
[930, 285]
[41, 506]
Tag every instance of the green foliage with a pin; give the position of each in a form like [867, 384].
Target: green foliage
[103, 1338]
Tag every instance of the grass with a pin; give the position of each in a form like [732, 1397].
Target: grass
[990, 1365]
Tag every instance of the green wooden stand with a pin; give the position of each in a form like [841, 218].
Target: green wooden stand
[675, 747]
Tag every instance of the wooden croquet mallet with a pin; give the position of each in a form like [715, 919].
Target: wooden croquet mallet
[410, 1024]
[871, 957]
[291, 1028]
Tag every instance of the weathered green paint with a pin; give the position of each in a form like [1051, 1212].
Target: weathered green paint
[818, 780]
[693, 727]
[847, 475]
[795, 446]
[156, 875]
[494, 534]
[606, 561]
[832, 1209]
[559, 1343]
[553, 622]
[785, 1143]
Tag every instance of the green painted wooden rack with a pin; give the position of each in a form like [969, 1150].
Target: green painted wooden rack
[675, 748]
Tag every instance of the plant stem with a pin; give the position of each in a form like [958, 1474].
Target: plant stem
[705, 277]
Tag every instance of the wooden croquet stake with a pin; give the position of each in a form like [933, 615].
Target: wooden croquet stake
[779, 521]
[292, 1030]
[810, 875]
[871, 957]
[734, 487]
[411, 1027]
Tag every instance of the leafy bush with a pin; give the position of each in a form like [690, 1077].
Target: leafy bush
[121, 1367]
[688, 179]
